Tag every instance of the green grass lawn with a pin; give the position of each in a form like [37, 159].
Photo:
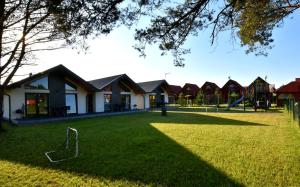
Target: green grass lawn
[147, 149]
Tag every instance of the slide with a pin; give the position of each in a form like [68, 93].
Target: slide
[237, 102]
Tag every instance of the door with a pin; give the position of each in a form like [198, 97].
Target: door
[125, 102]
[37, 104]
[90, 106]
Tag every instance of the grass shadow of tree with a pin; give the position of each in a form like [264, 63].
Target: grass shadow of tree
[121, 147]
[225, 110]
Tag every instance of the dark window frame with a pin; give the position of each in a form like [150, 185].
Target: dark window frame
[110, 110]
[76, 103]
[28, 87]
[67, 83]
[37, 95]
[123, 105]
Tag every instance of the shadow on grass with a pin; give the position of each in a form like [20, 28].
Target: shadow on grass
[225, 110]
[176, 117]
[121, 147]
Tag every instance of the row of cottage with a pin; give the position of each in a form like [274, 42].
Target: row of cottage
[258, 91]
[60, 92]
[211, 93]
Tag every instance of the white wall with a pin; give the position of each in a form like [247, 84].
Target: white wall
[17, 98]
[166, 97]
[136, 99]
[81, 99]
[140, 101]
[99, 101]
[147, 104]
[133, 100]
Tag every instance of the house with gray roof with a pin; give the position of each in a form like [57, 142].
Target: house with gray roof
[55, 92]
[117, 93]
[156, 93]
[58, 92]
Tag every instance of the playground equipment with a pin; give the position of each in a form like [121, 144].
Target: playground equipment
[67, 148]
[237, 102]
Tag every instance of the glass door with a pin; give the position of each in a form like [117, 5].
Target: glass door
[31, 105]
[71, 103]
[43, 104]
[37, 104]
[125, 99]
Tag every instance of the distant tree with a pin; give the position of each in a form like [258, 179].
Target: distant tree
[199, 97]
[181, 99]
[217, 96]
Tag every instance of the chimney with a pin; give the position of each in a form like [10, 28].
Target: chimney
[297, 79]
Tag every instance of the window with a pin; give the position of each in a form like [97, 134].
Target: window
[71, 103]
[38, 84]
[36, 104]
[70, 87]
[107, 102]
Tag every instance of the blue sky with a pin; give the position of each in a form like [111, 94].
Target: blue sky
[113, 54]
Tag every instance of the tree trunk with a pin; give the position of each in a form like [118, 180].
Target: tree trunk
[1, 108]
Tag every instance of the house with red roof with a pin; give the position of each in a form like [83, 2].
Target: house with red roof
[190, 92]
[289, 91]
[231, 87]
[174, 93]
[210, 91]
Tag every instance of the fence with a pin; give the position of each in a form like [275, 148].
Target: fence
[293, 108]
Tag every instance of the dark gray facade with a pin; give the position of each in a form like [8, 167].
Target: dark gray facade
[57, 90]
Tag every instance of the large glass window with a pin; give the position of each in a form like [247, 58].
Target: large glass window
[38, 84]
[152, 101]
[70, 87]
[31, 104]
[71, 101]
[36, 104]
[43, 104]
[125, 99]
[107, 102]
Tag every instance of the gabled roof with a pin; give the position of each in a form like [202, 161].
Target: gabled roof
[103, 82]
[230, 82]
[174, 89]
[191, 86]
[292, 87]
[57, 69]
[190, 89]
[151, 86]
[100, 84]
[212, 84]
[260, 79]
